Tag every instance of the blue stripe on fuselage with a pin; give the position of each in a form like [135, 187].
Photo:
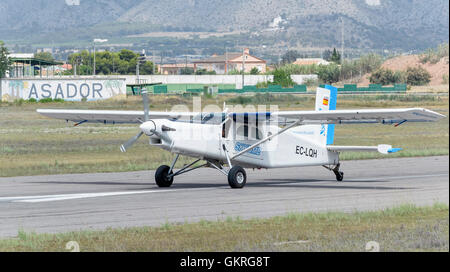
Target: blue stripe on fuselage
[332, 106]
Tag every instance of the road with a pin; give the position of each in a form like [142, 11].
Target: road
[61, 203]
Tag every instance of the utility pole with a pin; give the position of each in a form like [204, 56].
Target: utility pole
[243, 67]
[226, 60]
[154, 63]
[160, 64]
[93, 72]
[342, 47]
[97, 41]
[342, 41]
[140, 60]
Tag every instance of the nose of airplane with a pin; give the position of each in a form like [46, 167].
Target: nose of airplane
[148, 128]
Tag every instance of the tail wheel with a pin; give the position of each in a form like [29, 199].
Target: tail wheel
[237, 177]
[161, 176]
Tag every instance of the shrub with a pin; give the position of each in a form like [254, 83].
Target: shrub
[283, 78]
[19, 102]
[387, 77]
[329, 73]
[311, 82]
[262, 85]
[46, 100]
[204, 72]
[417, 76]
[433, 56]
[444, 79]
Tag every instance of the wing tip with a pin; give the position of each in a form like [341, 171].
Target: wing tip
[394, 150]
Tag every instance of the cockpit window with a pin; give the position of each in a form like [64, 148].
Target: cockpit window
[246, 132]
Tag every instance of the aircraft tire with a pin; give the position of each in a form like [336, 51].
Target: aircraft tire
[339, 176]
[161, 176]
[237, 177]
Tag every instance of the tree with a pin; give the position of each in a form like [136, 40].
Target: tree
[127, 55]
[328, 73]
[44, 56]
[4, 61]
[254, 71]
[290, 56]
[147, 68]
[326, 55]
[187, 71]
[107, 63]
[335, 56]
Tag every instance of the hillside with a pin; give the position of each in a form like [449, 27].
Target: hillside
[401, 63]
[382, 24]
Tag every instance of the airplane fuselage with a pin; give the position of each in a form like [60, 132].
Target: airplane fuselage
[205, 141]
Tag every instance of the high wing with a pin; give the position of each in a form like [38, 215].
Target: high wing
[385, 116]
[111, 116]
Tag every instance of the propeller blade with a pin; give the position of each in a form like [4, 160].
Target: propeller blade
[146, 105]
[130, 142]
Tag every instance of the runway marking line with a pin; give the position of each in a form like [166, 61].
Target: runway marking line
[49, 198]
[61, 197]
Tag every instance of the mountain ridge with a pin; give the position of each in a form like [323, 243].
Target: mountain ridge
[368, 24]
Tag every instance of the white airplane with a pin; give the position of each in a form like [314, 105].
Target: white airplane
[249, 140]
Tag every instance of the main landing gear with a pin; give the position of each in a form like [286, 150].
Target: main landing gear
[339, 174]
[237, 177]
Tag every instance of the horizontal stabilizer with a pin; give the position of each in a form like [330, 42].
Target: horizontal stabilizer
[383, 149]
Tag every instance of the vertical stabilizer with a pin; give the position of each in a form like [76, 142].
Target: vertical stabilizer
[322, 134]
[326, 99]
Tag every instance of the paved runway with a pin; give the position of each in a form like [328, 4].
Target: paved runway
[96, 201]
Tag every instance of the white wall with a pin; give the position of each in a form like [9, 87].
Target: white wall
[300, 79]
[202, 79]
[249, 80]
[68, 88]
[63, 88]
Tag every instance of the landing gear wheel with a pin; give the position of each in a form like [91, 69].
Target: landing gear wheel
[161, 176]
[339, 175]
[237, 177]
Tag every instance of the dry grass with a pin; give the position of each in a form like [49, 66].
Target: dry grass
[403, 228]
[31, 144]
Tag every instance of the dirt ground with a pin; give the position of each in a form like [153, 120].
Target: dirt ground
[403, 62]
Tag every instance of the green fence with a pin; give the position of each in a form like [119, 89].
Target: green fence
[222, 89]
[350, 88]
[269, 89]
[231, 89]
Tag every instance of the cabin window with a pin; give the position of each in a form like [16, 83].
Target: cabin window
[248, 133]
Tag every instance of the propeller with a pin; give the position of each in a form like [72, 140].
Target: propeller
[131, 141]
